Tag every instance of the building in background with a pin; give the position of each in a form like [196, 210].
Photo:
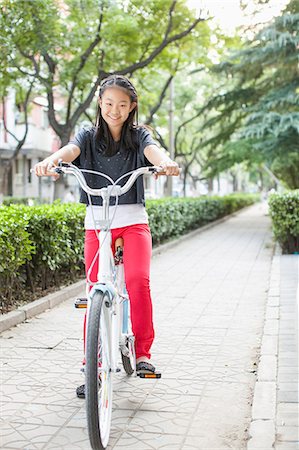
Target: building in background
[41, 141]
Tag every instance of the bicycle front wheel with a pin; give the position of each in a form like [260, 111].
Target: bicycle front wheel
[98, 381]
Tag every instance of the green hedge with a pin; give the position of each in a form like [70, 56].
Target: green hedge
[170, 217]
[42, 246]
[284, 212]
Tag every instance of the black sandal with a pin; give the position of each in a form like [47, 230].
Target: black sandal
[80, 391]
[145, 367]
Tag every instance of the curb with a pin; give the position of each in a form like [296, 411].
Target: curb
[262, 428]
[40, 305]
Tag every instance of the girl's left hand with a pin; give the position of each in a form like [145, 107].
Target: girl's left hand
[170, 168]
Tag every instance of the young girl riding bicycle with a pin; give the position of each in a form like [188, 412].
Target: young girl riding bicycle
[115, 146]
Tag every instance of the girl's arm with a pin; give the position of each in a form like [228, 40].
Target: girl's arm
[157, 157]
[68, 153]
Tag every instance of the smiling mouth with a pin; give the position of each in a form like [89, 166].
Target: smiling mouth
[114, 118]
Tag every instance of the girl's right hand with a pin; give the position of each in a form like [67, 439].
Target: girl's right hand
[45, 169]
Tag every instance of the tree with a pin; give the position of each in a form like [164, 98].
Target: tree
[191, 92]
[68, 49]
[257, 120]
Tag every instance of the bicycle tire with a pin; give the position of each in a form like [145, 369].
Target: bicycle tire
[127, 362]
[98, 358]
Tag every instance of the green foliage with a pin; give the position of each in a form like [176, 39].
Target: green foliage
[170, 217]
[57, 233]
[16, 248]
[258, 109]
[70, 46]
[42, 246]
[284, 212]
[15, 244]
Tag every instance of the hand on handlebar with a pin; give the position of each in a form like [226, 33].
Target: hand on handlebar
[46, 169]
[169, 168]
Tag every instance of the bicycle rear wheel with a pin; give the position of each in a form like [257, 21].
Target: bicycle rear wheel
[98, 382]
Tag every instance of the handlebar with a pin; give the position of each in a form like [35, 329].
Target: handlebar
[111, 190]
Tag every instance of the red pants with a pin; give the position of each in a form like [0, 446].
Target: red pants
[136, 257]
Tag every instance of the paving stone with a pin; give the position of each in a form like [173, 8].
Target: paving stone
[286, 446]
[264, 400]
[209, 296]
[262, 435]
[287, 416]
[287, 396]
[287, 433]
[267, 370]
[269, 345]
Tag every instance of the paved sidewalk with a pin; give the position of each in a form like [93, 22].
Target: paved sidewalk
[287, 411]
[210, 295]
[275, 409]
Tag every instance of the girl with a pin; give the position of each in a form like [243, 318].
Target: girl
[115, 146]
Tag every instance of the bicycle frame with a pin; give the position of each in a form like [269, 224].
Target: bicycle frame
[111, 279]
[106, 279]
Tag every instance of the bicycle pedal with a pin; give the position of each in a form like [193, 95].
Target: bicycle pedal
[80, 303]
[149, 375]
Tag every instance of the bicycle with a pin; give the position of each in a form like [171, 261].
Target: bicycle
[108, 325]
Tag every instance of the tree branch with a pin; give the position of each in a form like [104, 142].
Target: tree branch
[170, 19]
[83, 59]
[166, 41]
[50, 62]
[84, 105]
[183, 124]
[162, 96]
[155, 108]
[35, 66]
[160, 140]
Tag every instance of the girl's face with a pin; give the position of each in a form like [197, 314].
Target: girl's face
[115, 107]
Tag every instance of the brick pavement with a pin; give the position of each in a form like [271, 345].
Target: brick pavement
[210, 296]
[287, 411]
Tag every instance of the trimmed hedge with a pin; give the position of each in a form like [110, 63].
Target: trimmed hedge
[284, 212]
[42, 246]
[170, 217]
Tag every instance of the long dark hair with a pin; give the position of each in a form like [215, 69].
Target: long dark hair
[103, 136]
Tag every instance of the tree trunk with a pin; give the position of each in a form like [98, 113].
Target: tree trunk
[185, 181]
[5, 169]
[261, 181]
[235, 182]
[61, 184]
[210, 185]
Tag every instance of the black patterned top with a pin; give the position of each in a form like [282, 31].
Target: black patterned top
[92, 157]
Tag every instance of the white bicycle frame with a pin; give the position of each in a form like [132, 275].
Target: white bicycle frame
[110, 277]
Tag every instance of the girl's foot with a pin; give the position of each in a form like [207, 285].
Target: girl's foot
[80, 391]
[143, 365]
[142, 359]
